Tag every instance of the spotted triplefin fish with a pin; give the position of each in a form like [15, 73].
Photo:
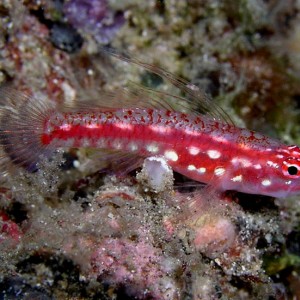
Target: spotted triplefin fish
[204, 147]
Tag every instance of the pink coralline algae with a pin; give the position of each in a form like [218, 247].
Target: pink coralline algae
[205, 223]
[124, 252]
[95, 18]
[137, 263]
[9, 231]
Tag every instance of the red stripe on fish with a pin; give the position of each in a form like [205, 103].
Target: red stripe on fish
[228, 157]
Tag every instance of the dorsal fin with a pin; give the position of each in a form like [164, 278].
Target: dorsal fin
[119, 98]
[194, 98]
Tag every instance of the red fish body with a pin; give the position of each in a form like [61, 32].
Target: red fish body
[208, 151]
[205, 148]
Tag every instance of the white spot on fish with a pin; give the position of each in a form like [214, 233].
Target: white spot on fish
[124, 126]
[242, 161]
[65, 127]
[237, 178]
[272, 164]
[213, 154]
[220, 139]
[101, 143]
[171, 155]
[93, 126]
[153, 148]
[257, 166]
[288, 182]
[160, 129]
[201, 170]
[279, 156]
[192, 132]
[194, 150]
[219, 171]
[85, 143]
[117, 144]
[191, 168]
[266, 182]
[133, 146]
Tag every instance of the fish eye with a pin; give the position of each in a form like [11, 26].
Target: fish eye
[291, 167]
[292, 170]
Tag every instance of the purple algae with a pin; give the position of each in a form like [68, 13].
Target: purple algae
[94, 17]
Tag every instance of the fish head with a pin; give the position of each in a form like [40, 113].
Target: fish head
[289, 181]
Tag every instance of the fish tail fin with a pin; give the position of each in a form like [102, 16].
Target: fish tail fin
[21, 126]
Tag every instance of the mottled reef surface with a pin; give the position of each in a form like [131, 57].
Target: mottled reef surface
[68, 231]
